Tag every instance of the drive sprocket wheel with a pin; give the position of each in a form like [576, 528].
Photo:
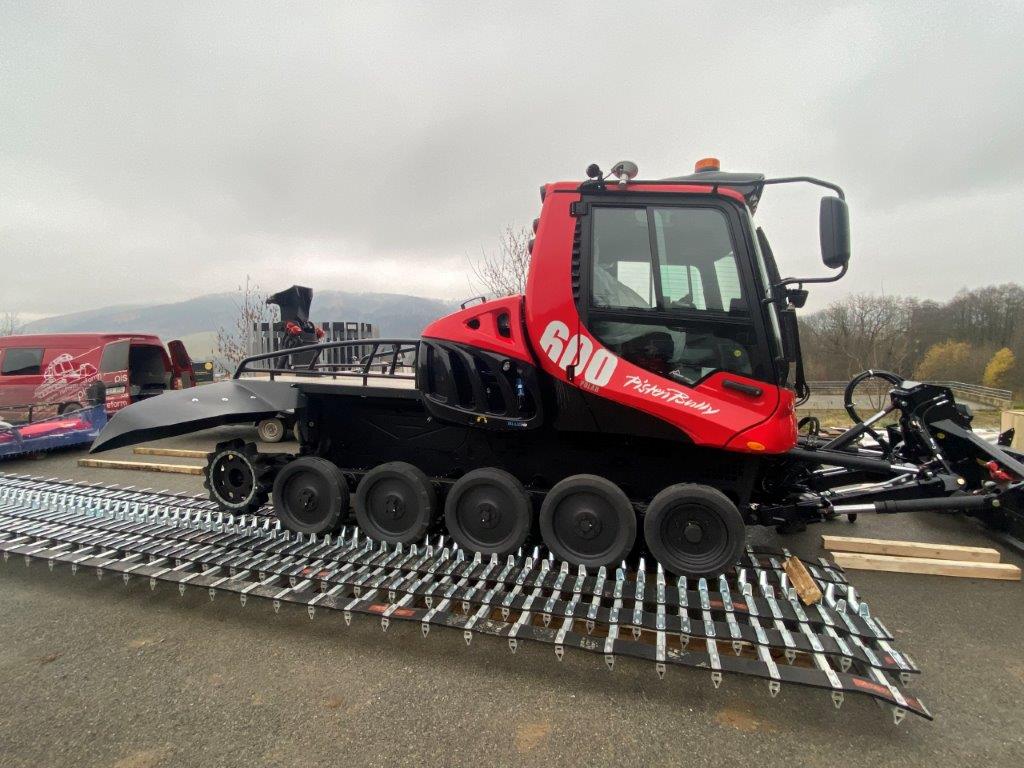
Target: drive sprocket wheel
[239, 477]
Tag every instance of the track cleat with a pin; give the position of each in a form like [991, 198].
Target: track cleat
[837, 699]
[774, 686]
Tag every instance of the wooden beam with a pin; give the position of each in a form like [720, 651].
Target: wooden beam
[180, 469]
[910, 549]
[805, 587]
[927, 565]
[179, 453]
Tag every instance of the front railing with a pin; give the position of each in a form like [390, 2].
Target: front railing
[373, 359]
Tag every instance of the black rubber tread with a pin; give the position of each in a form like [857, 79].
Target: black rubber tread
[415, 491]
[623, 517]
[262, 477]
[510, 500]
[330, 508]
[711, 504]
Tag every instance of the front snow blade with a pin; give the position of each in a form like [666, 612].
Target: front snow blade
[181, 412]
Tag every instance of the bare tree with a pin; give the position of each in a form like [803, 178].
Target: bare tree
[861, 332]
[251, 309]
[503, 272]
[10, 324]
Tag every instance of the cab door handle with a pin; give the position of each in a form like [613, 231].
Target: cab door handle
[746, 389]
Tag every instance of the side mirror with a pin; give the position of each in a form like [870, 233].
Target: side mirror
[834, 226]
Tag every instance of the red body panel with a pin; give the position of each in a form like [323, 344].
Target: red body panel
[478, 327]
[708, 413]
[555, 338]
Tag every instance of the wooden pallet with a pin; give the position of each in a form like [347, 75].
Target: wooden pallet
[919, 557]
[179, 453]
[179, 469]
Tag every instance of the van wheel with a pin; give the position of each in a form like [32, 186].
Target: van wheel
[69, 407]
[270, 431]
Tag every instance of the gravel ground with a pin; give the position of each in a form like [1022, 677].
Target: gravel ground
[99, 674]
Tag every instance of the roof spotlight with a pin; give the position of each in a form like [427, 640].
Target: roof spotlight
[625, 171]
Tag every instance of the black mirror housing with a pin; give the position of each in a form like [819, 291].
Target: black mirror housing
[834, 228]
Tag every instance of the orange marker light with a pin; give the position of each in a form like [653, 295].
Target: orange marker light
[755, 446]
[707, 164]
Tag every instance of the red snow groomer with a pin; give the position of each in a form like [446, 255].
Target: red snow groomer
[639, 397]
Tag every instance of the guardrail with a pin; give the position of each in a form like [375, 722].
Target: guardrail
[396, 359]
[998, 398]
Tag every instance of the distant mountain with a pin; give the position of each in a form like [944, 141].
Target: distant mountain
[394, 315]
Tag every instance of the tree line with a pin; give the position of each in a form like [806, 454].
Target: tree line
[976, 337]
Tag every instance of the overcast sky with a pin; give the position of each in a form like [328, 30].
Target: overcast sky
[156, 151]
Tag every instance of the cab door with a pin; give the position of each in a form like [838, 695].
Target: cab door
[664, 316]
[182, 373]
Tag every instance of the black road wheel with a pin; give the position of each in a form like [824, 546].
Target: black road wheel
[588, 520]
[270, 430]
[694, 530]
[310, 495]
[488, 511]
[238, 477]
[395, 502]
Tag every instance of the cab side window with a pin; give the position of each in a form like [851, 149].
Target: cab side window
[666, 292]
[23, 361]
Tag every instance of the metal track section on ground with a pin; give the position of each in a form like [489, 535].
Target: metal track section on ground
[749, 623]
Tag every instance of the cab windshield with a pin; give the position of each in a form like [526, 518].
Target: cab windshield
[666, 292]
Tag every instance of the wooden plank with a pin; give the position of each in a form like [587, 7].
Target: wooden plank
[180, 469]
[179, 453]
[927, 565]
[910, 549]
[806, 589]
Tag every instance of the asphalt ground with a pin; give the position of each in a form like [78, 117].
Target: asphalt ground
[94, 673]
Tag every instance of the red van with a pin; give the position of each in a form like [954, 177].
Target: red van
[58, 372]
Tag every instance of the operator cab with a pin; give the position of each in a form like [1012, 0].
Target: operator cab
[675, 279]
[668, 283]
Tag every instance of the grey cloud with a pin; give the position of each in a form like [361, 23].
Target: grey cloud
[152, 152]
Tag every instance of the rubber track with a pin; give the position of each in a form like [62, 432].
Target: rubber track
[836, 646]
